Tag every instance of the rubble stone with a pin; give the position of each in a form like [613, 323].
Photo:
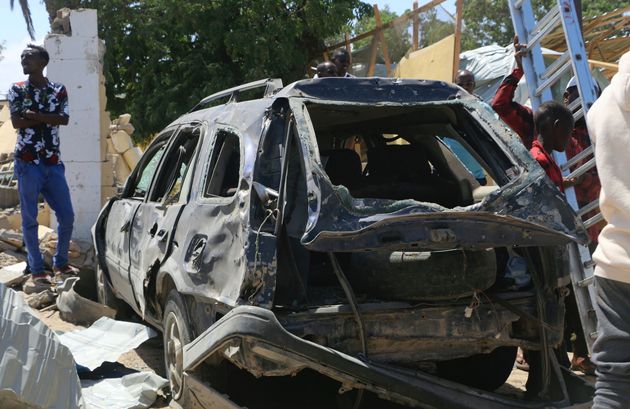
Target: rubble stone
[40, 300]
[13, 275]
[11, 237]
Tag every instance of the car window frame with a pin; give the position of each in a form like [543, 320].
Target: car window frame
[170, 149]
[208, 153]
[162, 140]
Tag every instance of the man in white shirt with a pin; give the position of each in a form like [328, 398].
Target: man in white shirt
[609, 127]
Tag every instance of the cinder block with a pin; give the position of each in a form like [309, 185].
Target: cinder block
[132, 157]
[122, 141]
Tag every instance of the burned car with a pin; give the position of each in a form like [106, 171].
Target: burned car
[329, 227]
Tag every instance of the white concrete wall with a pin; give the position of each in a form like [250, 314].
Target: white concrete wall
[75, 61]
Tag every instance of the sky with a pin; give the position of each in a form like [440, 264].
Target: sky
[14, 37]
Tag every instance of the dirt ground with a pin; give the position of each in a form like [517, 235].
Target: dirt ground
[149, 357]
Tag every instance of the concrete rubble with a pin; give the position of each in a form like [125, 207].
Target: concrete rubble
[77, 309]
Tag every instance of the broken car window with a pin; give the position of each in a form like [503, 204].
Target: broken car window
[176, 164]
[224, 170]
[146, 174]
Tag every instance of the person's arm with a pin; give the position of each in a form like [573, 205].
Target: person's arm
[517, 116]
[19, 122]
[44, 118]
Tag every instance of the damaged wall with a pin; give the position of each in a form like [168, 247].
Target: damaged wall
[76, 62]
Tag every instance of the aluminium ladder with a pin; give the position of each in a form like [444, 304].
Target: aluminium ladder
[539, 81]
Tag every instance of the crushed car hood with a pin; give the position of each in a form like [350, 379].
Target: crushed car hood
[523, 213]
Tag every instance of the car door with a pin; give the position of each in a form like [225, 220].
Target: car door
[121, 213]
[154, 223]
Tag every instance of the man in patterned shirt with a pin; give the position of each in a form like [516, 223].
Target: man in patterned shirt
[38, 106]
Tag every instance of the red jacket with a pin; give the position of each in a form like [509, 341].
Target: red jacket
[518, 117]
[547, 162]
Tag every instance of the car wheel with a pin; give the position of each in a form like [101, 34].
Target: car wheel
[176, 333]
[105, 296]
[482, 371]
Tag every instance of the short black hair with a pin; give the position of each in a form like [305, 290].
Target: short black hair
[340, 52]
[551, 111]
[40, 51]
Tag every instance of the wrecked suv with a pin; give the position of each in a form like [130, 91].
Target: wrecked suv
[328, 228]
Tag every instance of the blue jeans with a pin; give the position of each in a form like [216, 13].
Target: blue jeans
[50, 181]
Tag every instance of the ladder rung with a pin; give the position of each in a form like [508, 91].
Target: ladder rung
[554, 77]
[566, 56]
[544, 26]
[582, 169]
[518, 4]
[593, 335]
[589, 207]
[594, 220]
[586, 282]
[578, 114]
[577, 158]
[576, 103]
[589, 264]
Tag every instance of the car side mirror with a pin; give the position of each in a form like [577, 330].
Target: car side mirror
[267, 196]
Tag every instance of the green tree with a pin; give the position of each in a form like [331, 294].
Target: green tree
[433, 29]
[397, 38]
[163, 56]
[26, 12]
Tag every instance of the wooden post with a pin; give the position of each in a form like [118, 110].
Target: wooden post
[325, 55]
[381, 36]
[373, 51]
[416, 27]
[348, 43]
[458, 37]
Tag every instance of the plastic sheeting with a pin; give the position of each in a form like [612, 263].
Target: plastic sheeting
[35, 368]
[134, 391]
[105, 340]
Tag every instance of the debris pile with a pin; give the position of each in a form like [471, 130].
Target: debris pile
[121, 155]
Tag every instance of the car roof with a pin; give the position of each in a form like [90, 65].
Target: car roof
[357, 90]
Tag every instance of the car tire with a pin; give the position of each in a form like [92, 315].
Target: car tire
[176, 333]
[105, 296]
[482, 371]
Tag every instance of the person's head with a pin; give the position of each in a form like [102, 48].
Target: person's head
[571, 92]
[466, 80]
[554, 124]
[341, 59]
[34, 59]
[326, 69]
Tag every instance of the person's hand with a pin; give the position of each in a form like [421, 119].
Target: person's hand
[569, 182]
[29, 114]
[519, 51]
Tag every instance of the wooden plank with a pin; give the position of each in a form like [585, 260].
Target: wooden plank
[381, 37]
[416, 26]
[396, 21]
[373, 51]
[458, 37]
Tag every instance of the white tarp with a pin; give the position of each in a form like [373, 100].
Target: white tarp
[38, 371]
[35, 368]
[105, 340]
[134, 391]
